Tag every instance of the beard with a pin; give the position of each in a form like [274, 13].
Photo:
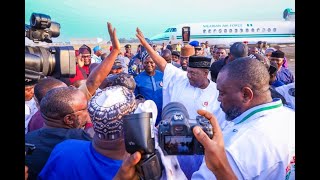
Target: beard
[149, 70]
[194, 83]
[232, 112]
[184, 68]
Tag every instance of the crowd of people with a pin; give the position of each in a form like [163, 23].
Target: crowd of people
[246, 93]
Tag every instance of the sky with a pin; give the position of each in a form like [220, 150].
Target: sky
[88, 18]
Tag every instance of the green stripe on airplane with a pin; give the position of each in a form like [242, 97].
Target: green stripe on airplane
[239, 36]
[232, 36]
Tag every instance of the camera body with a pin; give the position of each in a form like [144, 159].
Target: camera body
[175, 132]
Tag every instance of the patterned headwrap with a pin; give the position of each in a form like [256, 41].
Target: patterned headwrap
[106, 109]
[122, 79]
[144, 55]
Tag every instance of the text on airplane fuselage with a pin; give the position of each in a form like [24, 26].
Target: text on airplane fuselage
[223, 25]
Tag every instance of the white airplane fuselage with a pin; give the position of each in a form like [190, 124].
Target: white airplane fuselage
[277, 32]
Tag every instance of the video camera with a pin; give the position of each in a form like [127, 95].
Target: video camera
[56, 61]
[175, 131]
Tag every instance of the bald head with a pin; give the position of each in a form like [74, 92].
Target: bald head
[44, 85]
[247, 72]
[59, 102]
[166, 54]
[237, 50]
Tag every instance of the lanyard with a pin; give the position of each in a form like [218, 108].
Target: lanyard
[259, 110]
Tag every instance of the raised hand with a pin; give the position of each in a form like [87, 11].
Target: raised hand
[160, 62]
[80, 60]
[215, 154]
[141, 38]
[98, 74]
[113, 37]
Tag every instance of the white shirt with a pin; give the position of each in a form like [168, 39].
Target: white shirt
[30, 108]
[177, 88]
[95, 59]
[207, 51]
[259, 143]
[286, 91]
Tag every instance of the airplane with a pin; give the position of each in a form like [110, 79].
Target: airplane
[250, 32]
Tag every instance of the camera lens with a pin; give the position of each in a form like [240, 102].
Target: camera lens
[40, 21]
[172, 107]
[55, 29]
[39, 59]
[52, 61]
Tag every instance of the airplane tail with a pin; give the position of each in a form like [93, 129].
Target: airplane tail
[289, 14]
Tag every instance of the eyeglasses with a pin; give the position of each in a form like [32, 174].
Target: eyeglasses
[192, 73]
[50, 119]
[184, 57]
[86, 56]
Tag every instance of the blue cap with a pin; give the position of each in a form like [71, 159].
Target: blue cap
[194, 43]
[96, 48]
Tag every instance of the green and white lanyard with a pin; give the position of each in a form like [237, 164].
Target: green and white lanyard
[258, 110]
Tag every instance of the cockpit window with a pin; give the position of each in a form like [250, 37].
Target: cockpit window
[168, 30]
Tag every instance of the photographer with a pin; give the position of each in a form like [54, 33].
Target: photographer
[216, 160]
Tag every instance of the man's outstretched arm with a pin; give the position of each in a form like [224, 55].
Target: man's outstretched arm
[160, 61]
[103, 69]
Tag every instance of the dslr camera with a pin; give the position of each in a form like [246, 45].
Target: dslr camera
[175, 131]
[56, 61]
